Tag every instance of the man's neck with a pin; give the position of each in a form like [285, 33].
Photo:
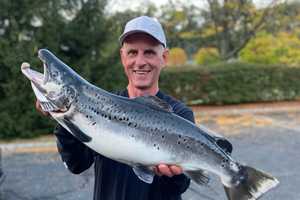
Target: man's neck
[135, 92]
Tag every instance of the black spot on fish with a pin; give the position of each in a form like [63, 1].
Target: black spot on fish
[76, 131]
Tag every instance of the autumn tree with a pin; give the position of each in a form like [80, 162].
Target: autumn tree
[177, 57]
[233, 23]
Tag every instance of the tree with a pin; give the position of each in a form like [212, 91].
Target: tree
[266, 48]
[177, 57]
[286, 18]
[77, 31]
[234, 23]
[181, 24]
[206, 56]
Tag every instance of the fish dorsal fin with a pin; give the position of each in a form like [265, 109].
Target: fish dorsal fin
[155, 103]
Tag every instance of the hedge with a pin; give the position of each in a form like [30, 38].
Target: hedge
[232, 83]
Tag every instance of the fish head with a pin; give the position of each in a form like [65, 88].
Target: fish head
[57, 85]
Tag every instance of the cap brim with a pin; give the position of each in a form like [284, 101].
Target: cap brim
[124, 35]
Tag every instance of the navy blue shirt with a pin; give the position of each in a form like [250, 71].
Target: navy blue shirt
[115, 180]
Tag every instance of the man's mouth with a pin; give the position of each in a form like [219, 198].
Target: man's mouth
[141, 72]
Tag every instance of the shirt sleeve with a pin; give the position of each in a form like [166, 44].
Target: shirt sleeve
[76, 155]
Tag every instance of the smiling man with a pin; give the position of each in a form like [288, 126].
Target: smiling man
[143, 54]
[143, 57]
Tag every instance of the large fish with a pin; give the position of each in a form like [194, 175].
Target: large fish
[140, 132]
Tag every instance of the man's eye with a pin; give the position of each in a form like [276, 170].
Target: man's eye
[150, 52]
[131, 53]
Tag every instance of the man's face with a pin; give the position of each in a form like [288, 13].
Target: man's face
[143, 58]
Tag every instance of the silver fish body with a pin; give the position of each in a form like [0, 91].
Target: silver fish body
[141, 132]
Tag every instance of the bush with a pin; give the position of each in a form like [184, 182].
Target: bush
[232, 83]
[177, 57]
[205, 56]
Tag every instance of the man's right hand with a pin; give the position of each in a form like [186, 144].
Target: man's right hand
[39, 108]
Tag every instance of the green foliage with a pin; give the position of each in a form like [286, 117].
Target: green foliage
[283, 48]
[229, 25]
[177, 57]
[206, 56]
[83, 41]
[232, 83]
[262, 49]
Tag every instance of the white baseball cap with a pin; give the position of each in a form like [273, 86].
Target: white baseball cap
[147, 25]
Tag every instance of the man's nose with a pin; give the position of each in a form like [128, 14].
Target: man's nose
[140, 60]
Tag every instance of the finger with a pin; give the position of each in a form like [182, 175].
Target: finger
[176, 170]
[37, 105]
[164, 169]
[39, 108]
[156, 171]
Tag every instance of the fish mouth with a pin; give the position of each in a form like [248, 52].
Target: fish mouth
[36, 77]
[38, 80]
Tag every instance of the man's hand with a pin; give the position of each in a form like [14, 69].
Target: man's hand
[39, 108]
[167, 170]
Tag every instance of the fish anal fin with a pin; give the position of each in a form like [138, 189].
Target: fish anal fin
[144, 173]
[199, 176]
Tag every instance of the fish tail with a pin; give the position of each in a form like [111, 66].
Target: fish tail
[252, 184]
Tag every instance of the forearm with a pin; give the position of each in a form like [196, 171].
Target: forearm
[77, 156]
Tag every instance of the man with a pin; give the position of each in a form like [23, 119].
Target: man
[143, 55]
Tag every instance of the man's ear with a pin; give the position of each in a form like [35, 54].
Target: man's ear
[122, 55]
[166, 55]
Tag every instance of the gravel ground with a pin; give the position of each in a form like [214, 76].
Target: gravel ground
[267, 141]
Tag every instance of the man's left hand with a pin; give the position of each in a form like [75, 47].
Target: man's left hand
[167, 170]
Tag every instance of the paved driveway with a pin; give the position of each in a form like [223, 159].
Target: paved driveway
[267, 140]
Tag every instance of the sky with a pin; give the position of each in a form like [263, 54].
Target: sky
[121, 5]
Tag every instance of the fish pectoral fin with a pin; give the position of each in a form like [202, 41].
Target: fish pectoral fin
[144, 173]
[200, 176]
[81, 136]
